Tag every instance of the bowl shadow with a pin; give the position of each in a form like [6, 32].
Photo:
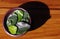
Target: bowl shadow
[39, 13]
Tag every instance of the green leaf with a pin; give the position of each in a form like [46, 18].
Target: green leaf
[19, 13]
[26, 17]
[12, 29]
[12, 19]
[22, 30]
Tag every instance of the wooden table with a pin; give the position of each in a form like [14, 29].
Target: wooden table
[50, 30]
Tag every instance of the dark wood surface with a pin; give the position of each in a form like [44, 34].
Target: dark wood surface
[50, 30]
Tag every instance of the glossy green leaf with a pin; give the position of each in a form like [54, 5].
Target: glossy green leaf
[19, 13]
[12, 29]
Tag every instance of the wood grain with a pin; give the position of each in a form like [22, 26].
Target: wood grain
[50, 30]
[15, 3]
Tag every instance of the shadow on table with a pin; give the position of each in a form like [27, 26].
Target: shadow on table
[39, 13]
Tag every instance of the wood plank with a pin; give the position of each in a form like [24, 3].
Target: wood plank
[4, 10]
[50, 30]
[16, 3]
